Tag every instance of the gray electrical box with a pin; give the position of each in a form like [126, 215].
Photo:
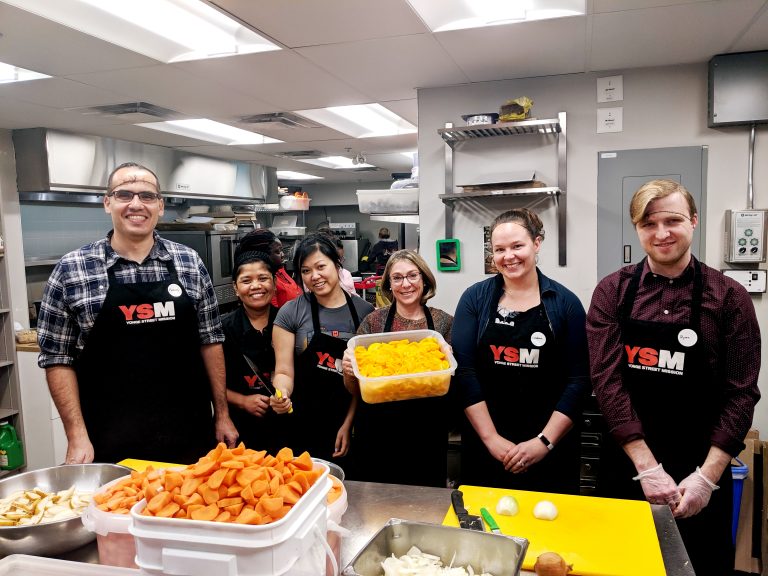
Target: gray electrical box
[745, 235]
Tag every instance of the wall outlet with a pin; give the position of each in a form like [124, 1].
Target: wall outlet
[610, 120]
[753, 280]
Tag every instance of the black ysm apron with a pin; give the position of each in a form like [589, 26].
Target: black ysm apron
[677, 401]
[403, 442]
[320, 399]
[522, 380]
[144, 391]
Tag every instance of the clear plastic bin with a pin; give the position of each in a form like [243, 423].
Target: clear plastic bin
[289, 230]
[402, 386]
[113, 538]
[294, 203]
[398, 201]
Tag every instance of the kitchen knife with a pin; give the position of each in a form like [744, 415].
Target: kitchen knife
[490, 521]
[466, 520]
[275, 392]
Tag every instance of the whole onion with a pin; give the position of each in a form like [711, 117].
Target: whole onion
[551, 564]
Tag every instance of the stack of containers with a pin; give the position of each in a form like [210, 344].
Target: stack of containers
[113, 538]
[295, 543]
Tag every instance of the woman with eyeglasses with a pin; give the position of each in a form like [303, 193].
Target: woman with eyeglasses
[523, 371]
[403, 442]
[248, 353]
[309, 338]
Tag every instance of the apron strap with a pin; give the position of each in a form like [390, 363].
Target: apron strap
[316, 312]
[169, 266]
[391, 317]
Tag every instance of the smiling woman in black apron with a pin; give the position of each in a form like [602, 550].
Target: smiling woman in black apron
[519, 339]
[309, 338]
[248, 353]
[413, 433]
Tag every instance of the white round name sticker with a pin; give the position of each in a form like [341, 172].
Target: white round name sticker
[174, 290]
[687, 337]
[538, 339]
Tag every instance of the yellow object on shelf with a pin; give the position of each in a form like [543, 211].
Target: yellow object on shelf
[141, 465]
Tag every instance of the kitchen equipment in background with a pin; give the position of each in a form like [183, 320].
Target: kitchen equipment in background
[480, 118]
[345, 230]
[492, 526]
[353, 251]
[466, 520]
[285, 225]
[217, 250]
[599, 536]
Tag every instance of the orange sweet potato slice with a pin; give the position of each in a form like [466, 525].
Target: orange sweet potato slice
[205, 513]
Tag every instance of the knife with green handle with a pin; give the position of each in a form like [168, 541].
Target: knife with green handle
[490, 521]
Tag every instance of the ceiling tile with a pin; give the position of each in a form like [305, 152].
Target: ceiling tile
[756, 37]
[283, 79]
[517, 50]
[59, 93]
[599, 6]
[680, 34]
[35, 43]
[390, 68]
[296, 23]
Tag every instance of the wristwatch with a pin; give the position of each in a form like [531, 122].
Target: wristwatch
[546, 441]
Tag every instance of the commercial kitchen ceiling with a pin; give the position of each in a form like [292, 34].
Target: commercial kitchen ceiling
[341, 52]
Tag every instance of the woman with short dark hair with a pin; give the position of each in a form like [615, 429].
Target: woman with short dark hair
[263, 240]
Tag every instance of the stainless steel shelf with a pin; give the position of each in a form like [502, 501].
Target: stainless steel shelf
[453, 135]
[6, 413]
[29, 262]
[3, 364]
[459, 196]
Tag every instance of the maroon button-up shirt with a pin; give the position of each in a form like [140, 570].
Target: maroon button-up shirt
[731, 338]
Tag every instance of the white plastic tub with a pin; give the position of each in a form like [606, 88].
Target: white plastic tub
[115, 542]
[294, 203]
[24, 565]
[295, 543]
[398, 201]
[402, 386]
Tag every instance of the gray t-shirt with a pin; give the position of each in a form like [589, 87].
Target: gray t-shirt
[295, 316]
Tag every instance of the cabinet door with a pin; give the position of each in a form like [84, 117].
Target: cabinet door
[620, 174]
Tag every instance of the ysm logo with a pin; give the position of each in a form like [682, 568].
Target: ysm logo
[655, 360]
[327, 362]
[146, 313]
[510, 356]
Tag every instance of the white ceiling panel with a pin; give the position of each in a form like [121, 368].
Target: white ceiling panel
[539, 48]
[282, 79]
[406, 109]
[178, 90]
[59, 93]
[756, 37]
[297, 23]
[673, 34]
[389, 68]
[44, 46]
[599, 6]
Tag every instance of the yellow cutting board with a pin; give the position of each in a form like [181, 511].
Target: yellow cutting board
[141, 465]
[598, 536]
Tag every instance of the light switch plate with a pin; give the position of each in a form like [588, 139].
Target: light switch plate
[610, 89]
[610, 120]
[753, 280]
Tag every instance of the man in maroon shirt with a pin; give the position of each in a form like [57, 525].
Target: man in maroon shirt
[674, 359]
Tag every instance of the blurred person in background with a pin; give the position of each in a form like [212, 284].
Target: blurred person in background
[131, 339]
[412, 433]
[675, 357]
[521, 346]
[309, 339]
[382, 250]
[248, 353]
[263, 240]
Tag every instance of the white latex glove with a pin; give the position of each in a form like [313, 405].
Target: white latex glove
[659, 487]
[696, 490]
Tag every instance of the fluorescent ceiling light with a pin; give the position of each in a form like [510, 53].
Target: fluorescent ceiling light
[337, 163]
[459, 14]
[361, 120]
[210, 131]
[291, 175]
[10, 73]
[166, 30]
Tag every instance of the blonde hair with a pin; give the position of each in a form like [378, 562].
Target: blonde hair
[430, 285]
[655, 190]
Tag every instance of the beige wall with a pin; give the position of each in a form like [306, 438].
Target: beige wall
[663, 107]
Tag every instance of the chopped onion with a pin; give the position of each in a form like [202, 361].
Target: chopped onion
[507, 506]
[418, 563]
[545, 510]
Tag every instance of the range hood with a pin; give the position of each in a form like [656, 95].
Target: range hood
[53, 166]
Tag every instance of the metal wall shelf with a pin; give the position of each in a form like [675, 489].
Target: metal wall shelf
[455, 136]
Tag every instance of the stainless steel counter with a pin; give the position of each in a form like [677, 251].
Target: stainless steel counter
[371, 505]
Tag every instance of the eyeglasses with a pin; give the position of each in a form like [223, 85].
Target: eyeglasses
[412, 277]
[128, 196]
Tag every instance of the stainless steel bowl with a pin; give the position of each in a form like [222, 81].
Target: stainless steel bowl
[54, 538]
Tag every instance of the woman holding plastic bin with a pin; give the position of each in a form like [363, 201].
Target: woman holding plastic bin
[520, 342]
[403, 442]
[309, 338]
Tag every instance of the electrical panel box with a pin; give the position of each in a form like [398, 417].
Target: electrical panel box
[752, 280]
[745, 236]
